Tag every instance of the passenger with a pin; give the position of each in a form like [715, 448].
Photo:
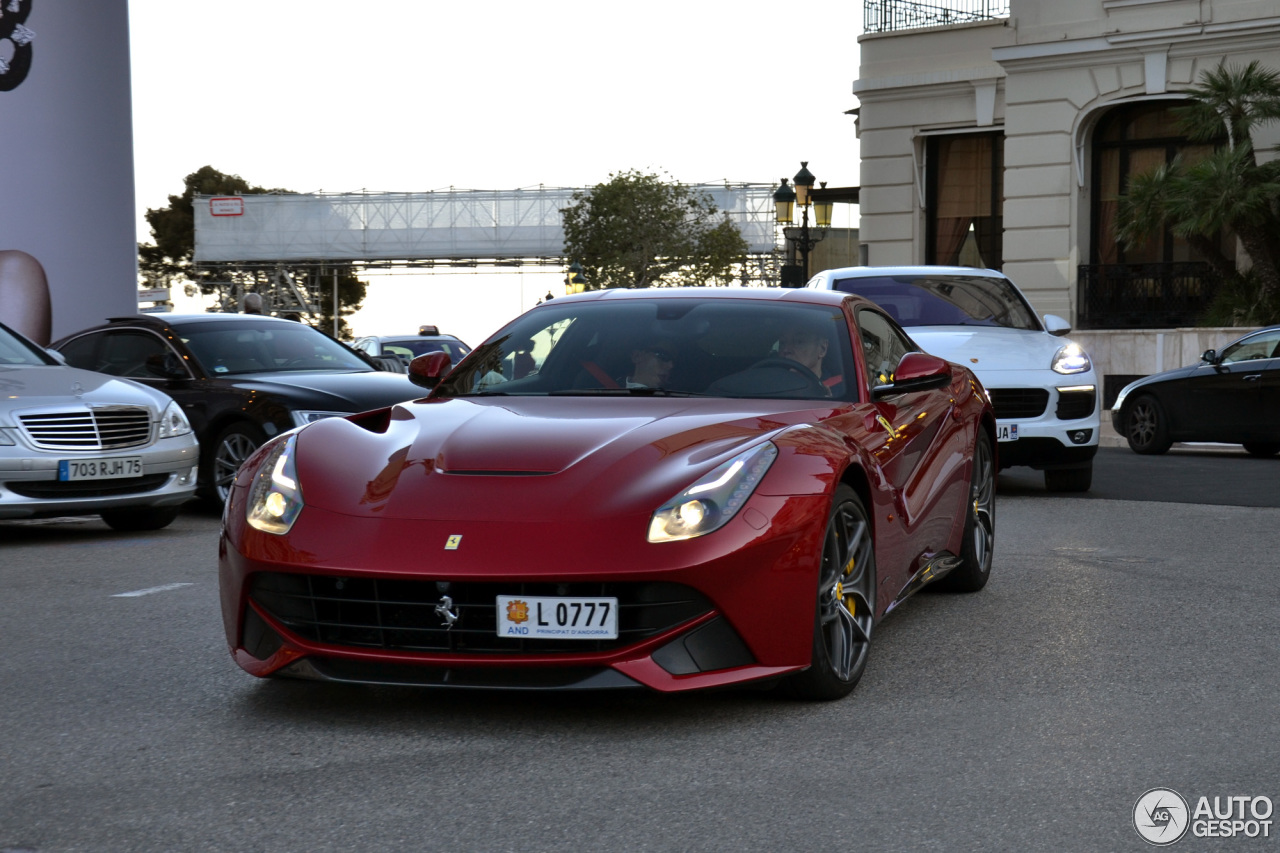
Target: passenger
[651, 365]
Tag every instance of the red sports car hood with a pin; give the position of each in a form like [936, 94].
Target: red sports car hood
[542, 457]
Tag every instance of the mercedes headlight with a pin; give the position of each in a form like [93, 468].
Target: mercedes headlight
[173, 422]
[275, 497]
[709, 503]
[1071, 359]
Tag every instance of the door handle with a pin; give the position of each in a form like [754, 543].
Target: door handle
[1253, 377]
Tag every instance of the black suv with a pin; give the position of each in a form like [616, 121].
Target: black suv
[239, 378]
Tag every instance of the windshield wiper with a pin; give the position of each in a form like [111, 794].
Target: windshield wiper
[623, 392]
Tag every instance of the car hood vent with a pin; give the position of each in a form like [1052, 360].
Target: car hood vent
[93, 428]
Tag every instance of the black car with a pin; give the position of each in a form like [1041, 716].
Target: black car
[1232, 397]
[240, 379]
[405, 348]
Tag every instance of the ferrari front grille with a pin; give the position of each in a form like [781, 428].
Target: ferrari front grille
[93, 428]
[1015, 403]
[402, 615]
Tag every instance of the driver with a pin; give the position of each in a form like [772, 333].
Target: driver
[804, 344]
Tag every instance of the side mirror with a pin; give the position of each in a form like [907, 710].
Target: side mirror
[427, 370]
[1209, 356]
[165, 366]
[57, 356]
[1055, 325]
[917, 371]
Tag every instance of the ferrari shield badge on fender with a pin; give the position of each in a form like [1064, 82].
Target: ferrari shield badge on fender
[452, 543]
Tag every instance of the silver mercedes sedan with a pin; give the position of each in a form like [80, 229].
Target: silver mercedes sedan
[74, 442]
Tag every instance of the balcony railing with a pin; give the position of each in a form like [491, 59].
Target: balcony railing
[885, 16]
[1144, 296]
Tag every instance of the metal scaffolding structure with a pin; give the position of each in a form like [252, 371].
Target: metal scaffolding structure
[498, 228]
[289, 247]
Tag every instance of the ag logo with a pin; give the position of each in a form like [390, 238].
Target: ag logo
[1161, 816]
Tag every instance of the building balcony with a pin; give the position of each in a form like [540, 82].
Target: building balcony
[886, 16]
[1144, 296]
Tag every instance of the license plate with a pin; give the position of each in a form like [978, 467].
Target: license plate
[114, 468]
[558, 617]
[1006, 432]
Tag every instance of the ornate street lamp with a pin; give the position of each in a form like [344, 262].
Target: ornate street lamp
[784, 198]
[575, 282]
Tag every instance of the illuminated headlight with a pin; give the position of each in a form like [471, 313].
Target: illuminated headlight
[303, 418]
[173, 422]
[275, 498]
[1071, 359]
[709, 503]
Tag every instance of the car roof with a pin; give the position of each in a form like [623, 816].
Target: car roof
[761, 294]
[918, 269]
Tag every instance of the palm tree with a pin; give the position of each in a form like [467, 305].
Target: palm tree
[1227, 190]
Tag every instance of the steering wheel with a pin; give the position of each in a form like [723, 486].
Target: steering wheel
[812, 387]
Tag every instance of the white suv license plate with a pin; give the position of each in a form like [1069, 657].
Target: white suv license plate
[113, 468]
[558, 617]
[1006, 432]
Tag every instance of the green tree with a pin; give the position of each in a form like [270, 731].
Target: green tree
[1227, 191]
[637, 230]
[168, 262]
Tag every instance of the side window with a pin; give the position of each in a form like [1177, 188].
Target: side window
[1259, 346]
[82, 352]
[126, 353]
[883, 346]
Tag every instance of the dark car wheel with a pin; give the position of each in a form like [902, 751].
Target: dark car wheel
[140, 518]
[1069, 479]
[980, 526]
[1147, 427]
[846, 603]
[230, 449]
[1261, 449]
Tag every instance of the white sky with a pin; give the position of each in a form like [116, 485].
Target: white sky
[416, 95]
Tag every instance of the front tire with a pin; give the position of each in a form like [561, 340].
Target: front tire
[1261, 449]
[980, 525]
[230, 449]
[140, 518]
[1147, 426]
[845, 608]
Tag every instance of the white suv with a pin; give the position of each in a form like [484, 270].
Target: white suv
[1042, 386]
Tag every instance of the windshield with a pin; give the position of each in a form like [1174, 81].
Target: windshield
[951, 300]
[17, 352]
[225, 349]
[410, 348]
[672, 346]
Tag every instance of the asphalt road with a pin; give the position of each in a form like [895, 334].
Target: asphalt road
[1121, 645]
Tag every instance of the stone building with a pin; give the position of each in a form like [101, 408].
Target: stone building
[999, 133]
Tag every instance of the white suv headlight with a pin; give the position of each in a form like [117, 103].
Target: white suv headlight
[173, 422]
[709, 503]
[1071, 359]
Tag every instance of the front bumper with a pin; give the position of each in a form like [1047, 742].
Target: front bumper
[757, 588]
[1058, 425]
[30, 488]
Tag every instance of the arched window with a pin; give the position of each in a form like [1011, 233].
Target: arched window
[1131, 140]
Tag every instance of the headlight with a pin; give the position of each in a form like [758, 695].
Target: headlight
[275, 498]
[1071, 359]
[304, 418]
[709, 503]
[173, 422]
